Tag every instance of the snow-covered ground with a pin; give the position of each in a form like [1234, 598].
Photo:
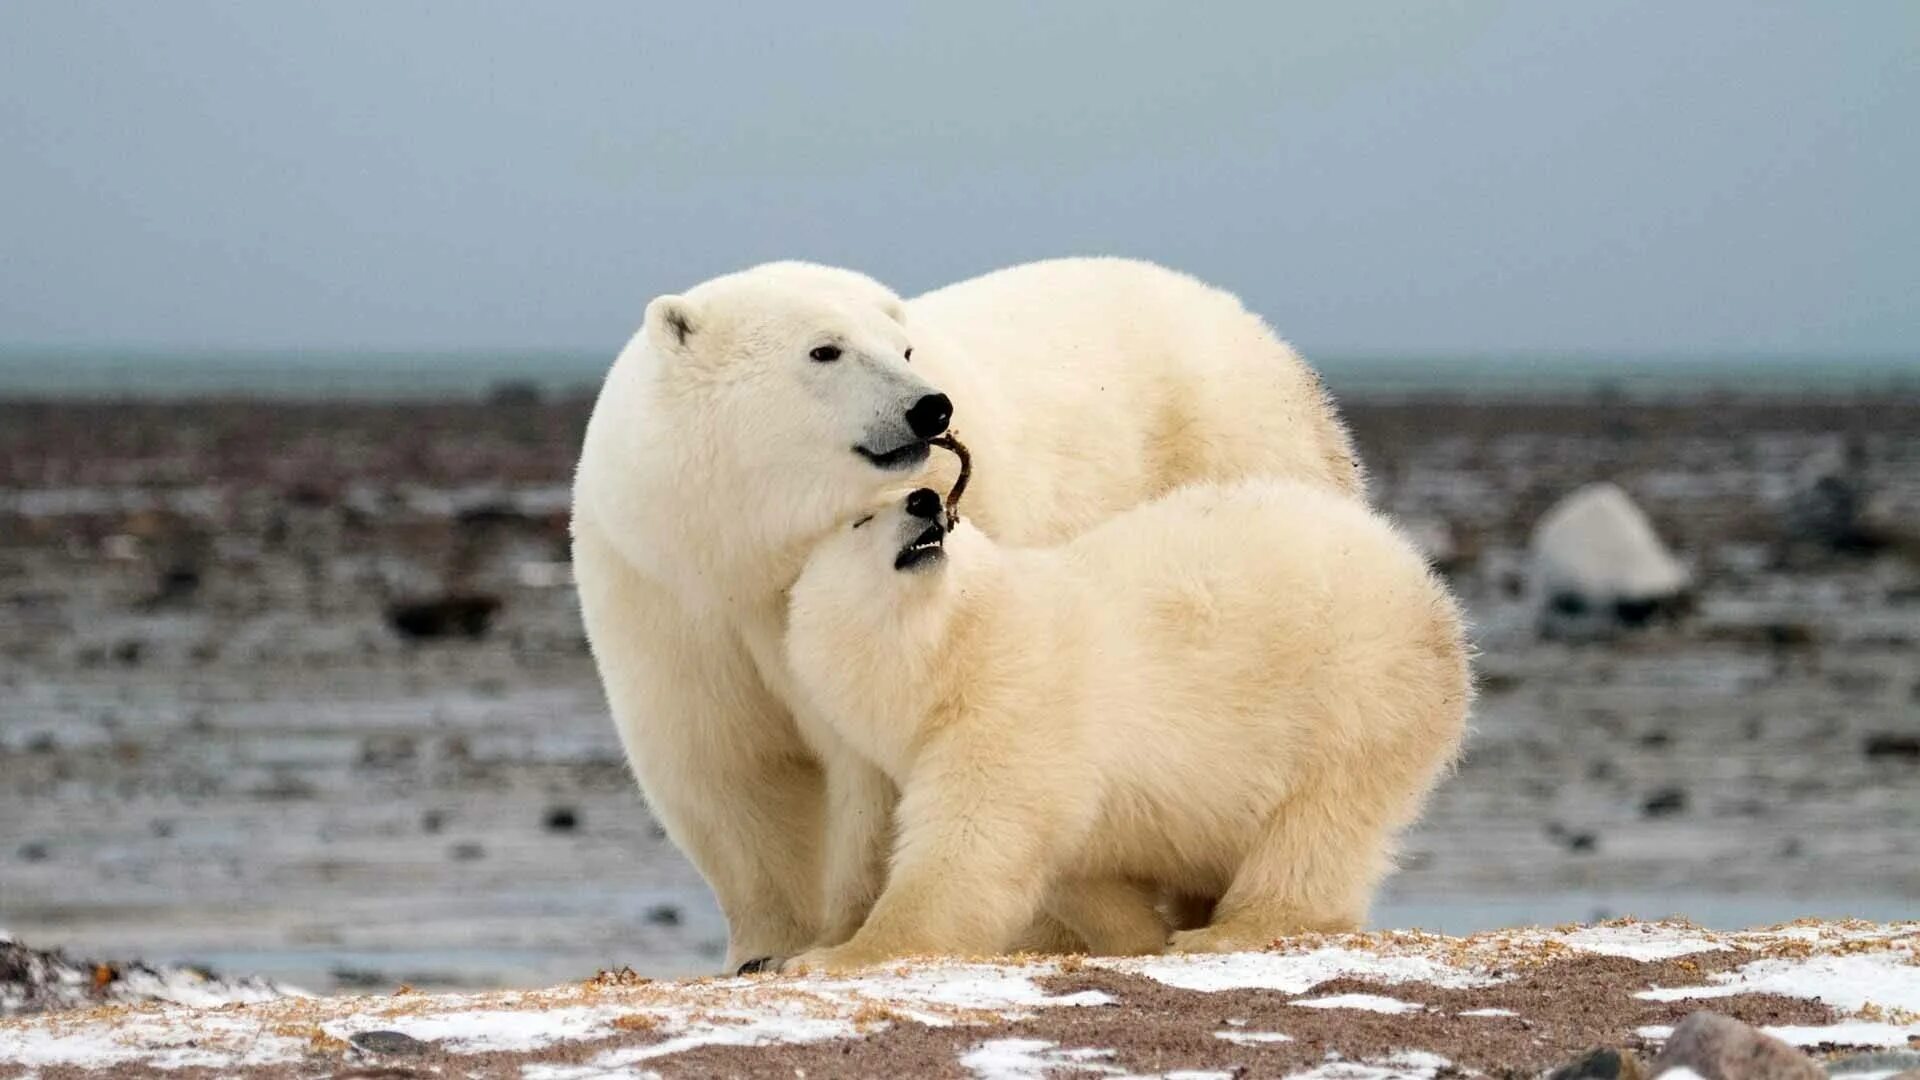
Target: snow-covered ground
[1374, 1005]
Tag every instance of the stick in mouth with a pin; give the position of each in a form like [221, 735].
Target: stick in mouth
[950, 442]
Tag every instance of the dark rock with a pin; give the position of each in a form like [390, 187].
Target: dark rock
[468, 852]
[562, 819]
[1893, 746]
[1577, 841]
[360, 978]
[433, 821]
[176, 587]
[34, 851]
[1830, 515]
[467, 615]
[389, 1042]
[1721, 1048]
[1789, 635]
[130, 652]
[1665, 802]
[517, 392]
[663, 915]
[1600, 1065]
[492, 515]
[387, 751]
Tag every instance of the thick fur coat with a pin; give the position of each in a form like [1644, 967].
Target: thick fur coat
[1239, 691]
[722, 448]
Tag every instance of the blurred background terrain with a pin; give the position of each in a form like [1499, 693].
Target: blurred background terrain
[300, 688]
[302, 309]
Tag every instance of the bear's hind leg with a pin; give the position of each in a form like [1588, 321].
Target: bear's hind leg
[1114, 916]
[1313, 869]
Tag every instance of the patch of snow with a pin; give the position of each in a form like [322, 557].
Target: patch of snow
[1680, 1072]
[1408, 1065]
[750, 1030]
[483, 1030]
[1847, 982]
[1642, 941]
[1293, 973]
[1850, 1033]
[1252, 1038]
[1005, 990]
[1032, 1059]
[1489, 1012]
[213, 1042]
[1368, 1002]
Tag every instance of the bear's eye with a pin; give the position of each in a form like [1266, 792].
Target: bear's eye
[826, 354]
[909, 356]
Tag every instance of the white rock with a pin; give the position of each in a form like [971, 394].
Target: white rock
[1596, 558]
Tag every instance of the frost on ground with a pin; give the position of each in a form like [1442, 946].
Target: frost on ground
[1376, 1005]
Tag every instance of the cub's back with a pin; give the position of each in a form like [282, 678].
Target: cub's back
[1264, 595]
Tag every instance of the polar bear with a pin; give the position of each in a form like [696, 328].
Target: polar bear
[752, 414]
[1240, 690]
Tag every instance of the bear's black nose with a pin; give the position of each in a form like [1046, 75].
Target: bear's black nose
[929, 415]
[924, 503]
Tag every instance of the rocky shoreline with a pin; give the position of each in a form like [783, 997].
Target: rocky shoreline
[1520, 1002]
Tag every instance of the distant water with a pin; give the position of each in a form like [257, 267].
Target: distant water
[73, 373]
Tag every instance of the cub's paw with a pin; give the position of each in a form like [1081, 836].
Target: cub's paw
[828, 961]
[1210, 939]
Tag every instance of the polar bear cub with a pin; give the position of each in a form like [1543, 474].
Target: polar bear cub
[1239, 692]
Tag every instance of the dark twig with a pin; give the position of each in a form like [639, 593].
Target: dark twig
[950, 442]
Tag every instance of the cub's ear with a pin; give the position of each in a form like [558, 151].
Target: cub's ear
[895, 310]
[671, 322]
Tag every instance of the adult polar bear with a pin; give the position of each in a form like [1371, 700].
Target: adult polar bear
[753, 414]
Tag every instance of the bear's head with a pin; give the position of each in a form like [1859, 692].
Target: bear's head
[757, 410]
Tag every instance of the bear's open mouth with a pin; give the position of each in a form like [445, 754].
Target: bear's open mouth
[900, 457]
[925, 547]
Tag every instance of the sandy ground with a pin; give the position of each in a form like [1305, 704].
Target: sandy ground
[1358, 1007]
[215, 747]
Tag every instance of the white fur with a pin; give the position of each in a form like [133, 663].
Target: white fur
[712, 464]
[1239, 691]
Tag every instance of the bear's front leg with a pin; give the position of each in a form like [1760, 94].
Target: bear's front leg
[982, 826]
[859, 810]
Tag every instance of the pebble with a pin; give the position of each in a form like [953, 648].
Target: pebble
[1665, 802]
[389, 1042]
[1600, 1065]
[1721, 1048]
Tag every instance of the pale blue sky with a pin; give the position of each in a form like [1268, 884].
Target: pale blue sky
[1430, 177]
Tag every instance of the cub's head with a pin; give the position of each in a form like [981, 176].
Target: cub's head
[903, 541]
[795, 385]
[870, 620]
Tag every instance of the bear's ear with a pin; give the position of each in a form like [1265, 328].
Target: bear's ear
[670, 322]
[895, 310]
